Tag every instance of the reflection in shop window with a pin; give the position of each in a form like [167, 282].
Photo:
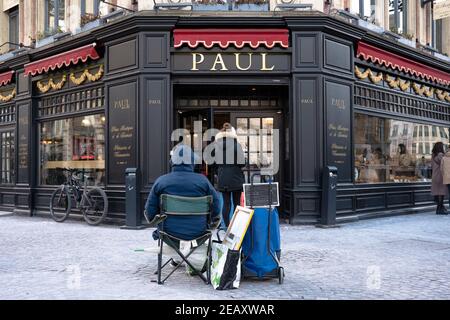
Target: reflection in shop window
[7, 157]
[384, 154]
[75, 143]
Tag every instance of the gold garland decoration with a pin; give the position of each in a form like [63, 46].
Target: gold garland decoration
[8, 97]
[405, 85]
[86, 75]
[370, 74]
[429, 92]
[375, 79]
[423, 90]
[392, 82]
[442, 95]
[361, 75]
[43, 88]
[396, 82]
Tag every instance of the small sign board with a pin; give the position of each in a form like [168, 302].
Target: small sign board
[238, 227]
[257, 195]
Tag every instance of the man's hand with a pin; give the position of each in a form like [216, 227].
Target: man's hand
[215, 223]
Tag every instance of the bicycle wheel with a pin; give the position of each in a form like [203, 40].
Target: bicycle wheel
[60, 204]
[95, 212]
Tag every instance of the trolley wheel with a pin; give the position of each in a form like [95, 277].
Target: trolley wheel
[280, 275]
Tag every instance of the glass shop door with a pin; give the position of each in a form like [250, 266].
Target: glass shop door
[196, 122]
[256, 135]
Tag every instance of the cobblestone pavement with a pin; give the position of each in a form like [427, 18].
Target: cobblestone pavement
[405, 257]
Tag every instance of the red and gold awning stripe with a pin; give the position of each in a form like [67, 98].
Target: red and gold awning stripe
[376, 55]
[231, 37]
[6, 78]
[64, 59]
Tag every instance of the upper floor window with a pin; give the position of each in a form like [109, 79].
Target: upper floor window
[90, 7]
[367, 9]
[14, 28]
[364, 8]
[54, 16]
[398, 15]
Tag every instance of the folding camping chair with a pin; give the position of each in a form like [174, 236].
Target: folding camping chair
[185, 206]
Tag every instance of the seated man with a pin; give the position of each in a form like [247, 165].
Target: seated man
[182, 181]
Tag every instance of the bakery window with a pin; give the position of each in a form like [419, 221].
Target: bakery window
[73, 143]
[385, 154]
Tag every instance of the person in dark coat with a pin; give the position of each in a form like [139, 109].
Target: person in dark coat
[229, 160]
[183, 181]
[438, 188]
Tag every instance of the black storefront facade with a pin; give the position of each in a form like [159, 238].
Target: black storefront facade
[110, 99]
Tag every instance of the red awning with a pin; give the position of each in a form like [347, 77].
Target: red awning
[6, 77]
[62, 59]
[226, 37]
[391, 60]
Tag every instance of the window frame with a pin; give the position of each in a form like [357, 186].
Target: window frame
[96, 7]
[404, 14]
[52, 29]
[101, 112]
[13, 13]
[420, 144]
[12, 156]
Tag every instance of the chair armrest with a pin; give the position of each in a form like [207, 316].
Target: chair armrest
[156, 220]
[215, 223]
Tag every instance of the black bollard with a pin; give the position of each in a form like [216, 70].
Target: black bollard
[329, 185]
[132, 200]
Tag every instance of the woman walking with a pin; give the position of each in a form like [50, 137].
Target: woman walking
[229, 158]
[438, 189]
[445, 169]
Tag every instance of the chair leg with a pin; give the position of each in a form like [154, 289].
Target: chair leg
[160, 262]
[208, 261]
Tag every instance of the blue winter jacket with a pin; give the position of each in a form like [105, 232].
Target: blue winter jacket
[183, 181]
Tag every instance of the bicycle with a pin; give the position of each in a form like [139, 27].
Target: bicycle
[92, 201]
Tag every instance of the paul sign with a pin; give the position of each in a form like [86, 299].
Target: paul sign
[242, 61]
[231, 61]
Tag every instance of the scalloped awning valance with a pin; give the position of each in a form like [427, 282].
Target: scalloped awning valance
[231, 37]
[66, 59]
[6, 78]
[376, 55]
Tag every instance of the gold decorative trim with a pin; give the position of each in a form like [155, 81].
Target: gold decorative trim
[405, 85]
[370, 74]
[442, 95]
[392, 82]
[87, 75]
[423, 90]
[377, 78]
[43, 88]
[8, 97]
[361, 75]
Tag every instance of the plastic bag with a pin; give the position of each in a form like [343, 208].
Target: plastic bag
[225, 267]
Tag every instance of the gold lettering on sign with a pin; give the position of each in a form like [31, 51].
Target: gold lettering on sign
[238, 64]
[122, 104]
[195, 61]
[219, 60]
[154, 101]
[264, 64]
[339, 103]
[220, 65]
[121, 153]
[122, 132]
[338, 150]
[23, 121]
[338, 131]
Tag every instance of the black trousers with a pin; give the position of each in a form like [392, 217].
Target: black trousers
[227, 204]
